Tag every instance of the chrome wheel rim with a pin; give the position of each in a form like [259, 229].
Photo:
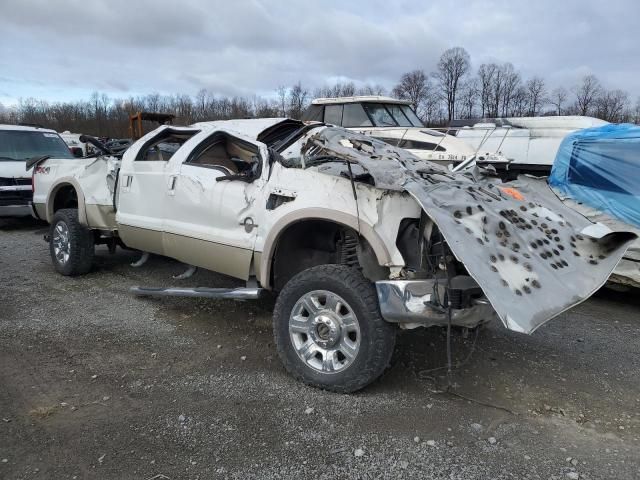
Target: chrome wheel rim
[61, 244]
[324, 331]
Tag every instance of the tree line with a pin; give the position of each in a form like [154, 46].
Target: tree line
[452, 91]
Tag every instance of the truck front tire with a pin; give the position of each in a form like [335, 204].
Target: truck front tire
[70, 243]
[328, 329]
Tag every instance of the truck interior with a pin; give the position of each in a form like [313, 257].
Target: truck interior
[164, 145]
[226, 153]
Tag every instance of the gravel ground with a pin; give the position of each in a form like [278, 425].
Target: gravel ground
[95, 383]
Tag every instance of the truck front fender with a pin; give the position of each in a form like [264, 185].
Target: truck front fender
[344, 219]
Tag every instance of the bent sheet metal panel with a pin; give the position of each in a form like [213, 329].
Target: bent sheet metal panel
[533, 257]
[532, 260]
[627, 272]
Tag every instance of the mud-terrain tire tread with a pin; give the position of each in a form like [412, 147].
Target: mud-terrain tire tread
[82, 244]
[376, 346]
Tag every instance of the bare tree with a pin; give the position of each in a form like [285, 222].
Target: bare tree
[347, 89]
[587, 93]
[486, 74]
[496, 91]
[416, 87]
[431, 111]
[519, 102]
[557, 99]
[536, 92]
[265, 108]
[298, 96]
[413, 86]
[635, 114]
[201, 104]
[511, 82]
[468, 97]
[152, 102]
[182, 106]
[371, 90]
[281, 91]
[611, 104]
[452, 67]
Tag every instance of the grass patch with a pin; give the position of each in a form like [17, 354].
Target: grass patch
[42, 412]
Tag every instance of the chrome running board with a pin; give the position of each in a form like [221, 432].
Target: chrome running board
[202, 292]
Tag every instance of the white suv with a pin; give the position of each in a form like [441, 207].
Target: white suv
[18, 144]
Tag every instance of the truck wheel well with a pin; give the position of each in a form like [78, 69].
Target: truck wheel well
[65, 197]
[310, 243]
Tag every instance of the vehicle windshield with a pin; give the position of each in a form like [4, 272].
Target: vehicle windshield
[19, 145]
[392, 115]
[411, 115]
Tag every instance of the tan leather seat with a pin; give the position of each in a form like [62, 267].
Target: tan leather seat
[217, 156]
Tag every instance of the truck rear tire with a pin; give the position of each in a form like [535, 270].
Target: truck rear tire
[329, 331]
[71, 244]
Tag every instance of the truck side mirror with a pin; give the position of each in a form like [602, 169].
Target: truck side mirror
[76, 152]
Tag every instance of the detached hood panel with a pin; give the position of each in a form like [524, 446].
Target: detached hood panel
[533, 257]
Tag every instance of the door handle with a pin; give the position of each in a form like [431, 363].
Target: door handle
[171, 184]
[248, 224]
[125, 182]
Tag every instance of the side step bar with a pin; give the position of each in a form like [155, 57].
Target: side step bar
[202, 292]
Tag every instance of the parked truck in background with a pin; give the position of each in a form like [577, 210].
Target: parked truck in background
[19, 143]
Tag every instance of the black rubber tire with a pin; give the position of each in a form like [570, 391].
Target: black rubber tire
[377, 335]
[81, 248]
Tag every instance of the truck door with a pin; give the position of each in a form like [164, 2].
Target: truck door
[215, 196]
[142, 187]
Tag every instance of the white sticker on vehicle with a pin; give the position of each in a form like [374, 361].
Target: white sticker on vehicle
[50, 135]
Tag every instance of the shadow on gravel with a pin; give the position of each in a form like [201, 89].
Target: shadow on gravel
[12, 224]
[628, 296]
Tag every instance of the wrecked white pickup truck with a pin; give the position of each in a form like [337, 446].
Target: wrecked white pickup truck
[357, 237]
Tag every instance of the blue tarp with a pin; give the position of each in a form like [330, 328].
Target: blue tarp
[600, 167]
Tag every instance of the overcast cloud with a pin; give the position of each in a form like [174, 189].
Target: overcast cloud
[65, 49]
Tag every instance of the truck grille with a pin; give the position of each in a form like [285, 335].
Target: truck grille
[19, 197]
[10, 182]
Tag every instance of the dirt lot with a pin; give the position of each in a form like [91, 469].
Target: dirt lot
[95, 383]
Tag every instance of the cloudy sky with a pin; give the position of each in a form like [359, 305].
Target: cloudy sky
[66, 49]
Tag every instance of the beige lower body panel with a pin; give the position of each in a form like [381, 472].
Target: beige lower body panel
[141, 238]
[257, 262]
[101, 217]
[226, 259]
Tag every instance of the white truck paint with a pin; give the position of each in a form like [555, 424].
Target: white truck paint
[321, 215]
